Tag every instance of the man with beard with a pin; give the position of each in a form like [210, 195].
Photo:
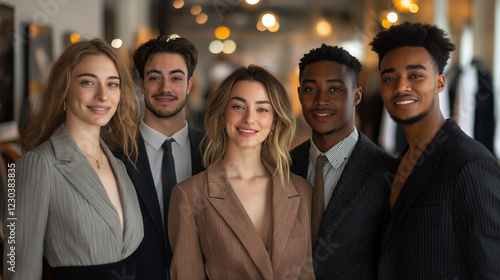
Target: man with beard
[350, 174]
[168, 148]
[445, 198]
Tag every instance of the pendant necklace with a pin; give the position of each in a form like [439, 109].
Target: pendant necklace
[98, 162]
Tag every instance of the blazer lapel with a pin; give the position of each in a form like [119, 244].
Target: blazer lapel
[423, 170]
[86, 181]
[195, 139]
[144, 185]
[300, 159]
[286, 203]
[128, 213]
[349, 189]
[225, 201]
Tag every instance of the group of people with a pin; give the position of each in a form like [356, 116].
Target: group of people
[102, 194]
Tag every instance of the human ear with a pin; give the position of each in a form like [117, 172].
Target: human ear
[440, 83]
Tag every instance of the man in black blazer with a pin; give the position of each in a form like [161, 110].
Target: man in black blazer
[165, 69]
[445, 199]
[356, 175]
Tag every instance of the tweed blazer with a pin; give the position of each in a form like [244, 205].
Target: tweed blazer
[64, 212]
[154, 254]
[213, 237]
[446, 221]
[350, 234]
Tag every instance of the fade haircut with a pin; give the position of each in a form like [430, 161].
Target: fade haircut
[162, 44]
[335, 54]
[408, 34]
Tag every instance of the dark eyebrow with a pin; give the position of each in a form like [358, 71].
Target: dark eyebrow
[415, 66]
[389, 70]
[245, 101]
[308, 81]
[328, 81]
[408, 67]
[171, 72]
[95, 76]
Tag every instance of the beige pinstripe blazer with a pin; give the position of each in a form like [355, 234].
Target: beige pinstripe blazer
[212, 235]
[64, 212]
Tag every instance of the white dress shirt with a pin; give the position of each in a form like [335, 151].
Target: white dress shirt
[181, 151]
[337, 156]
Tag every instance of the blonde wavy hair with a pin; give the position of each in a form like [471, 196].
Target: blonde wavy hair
[275, 148]
[121, 130]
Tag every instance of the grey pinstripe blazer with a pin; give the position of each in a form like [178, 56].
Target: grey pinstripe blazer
[64, 212]
[446, 220]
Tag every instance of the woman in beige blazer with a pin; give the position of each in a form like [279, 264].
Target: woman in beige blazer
[246, 216]
[74, 203]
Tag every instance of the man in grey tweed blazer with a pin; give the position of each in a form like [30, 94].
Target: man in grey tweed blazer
[445, 200]
[357, 173]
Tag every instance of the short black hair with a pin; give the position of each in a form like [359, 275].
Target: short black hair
[407, 34]
[162, 44]
[335, 54]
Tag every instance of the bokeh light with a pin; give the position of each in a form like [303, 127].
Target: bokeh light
[386, 23]
[201, 18]
[413, 8]
[324, 28]
[216, 46]
[116, 43]
[74, 37]
[178, 4]
[275, 27]
[392, 17]
[268, 20]
[222, 32]
[228, 47]
[196, 10]
[252, 2]
[260, 26]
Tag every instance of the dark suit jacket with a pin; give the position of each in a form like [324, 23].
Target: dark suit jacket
[154, 254]
[348, 243]
[213, 237]
[446, 220]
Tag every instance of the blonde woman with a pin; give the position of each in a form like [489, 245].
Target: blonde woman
[246, 216]
[75, 204]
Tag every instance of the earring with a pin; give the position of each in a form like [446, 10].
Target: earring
[224, 126]
[64, 106]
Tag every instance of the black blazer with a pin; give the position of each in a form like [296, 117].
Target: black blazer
[154, 254]
[349, 239]
[446, 221]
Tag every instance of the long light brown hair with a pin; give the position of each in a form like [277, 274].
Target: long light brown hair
[275, 148]
[121, 130]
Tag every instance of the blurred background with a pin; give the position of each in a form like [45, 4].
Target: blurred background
[272, 33]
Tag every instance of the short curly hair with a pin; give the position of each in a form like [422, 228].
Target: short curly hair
[335, 54]
[407, 34]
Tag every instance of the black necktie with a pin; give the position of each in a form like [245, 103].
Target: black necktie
[168, 177]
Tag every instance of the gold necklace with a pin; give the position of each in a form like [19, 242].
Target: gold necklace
[98, 162]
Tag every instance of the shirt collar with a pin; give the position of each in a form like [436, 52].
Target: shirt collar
[337, 154]
[156, 138]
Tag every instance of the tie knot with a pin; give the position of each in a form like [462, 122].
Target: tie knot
[167, 145]
[320, 161]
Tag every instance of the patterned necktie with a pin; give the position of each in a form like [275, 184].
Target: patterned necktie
[318, 200]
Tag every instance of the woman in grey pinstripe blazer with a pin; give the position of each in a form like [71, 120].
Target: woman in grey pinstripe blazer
[75, 203]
